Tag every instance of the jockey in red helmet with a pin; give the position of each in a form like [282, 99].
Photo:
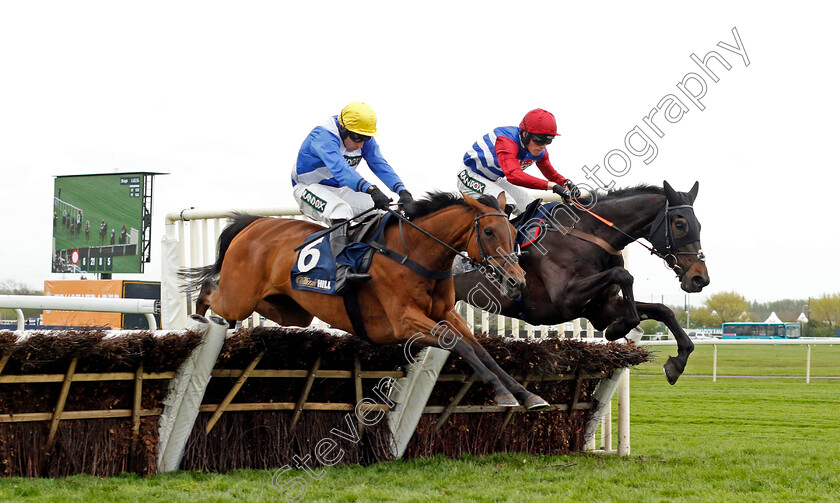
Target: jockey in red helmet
[497, 162]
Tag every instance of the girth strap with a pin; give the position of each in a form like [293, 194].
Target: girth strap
[354, 312]
[407, 262]
[595, 240]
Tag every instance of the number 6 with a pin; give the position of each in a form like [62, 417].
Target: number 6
[309, 256]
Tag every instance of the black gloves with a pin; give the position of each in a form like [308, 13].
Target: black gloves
[572, 188]
[405, 198]
[380, 200]
[561, 191]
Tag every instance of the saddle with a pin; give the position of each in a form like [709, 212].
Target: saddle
[358, 253]
[530, 225]
[315, 270]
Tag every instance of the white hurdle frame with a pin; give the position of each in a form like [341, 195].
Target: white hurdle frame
[147, 307]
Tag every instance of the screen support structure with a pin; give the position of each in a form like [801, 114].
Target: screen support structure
[146, 231]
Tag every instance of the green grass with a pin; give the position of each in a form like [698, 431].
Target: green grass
[737, 440]
[751, 360]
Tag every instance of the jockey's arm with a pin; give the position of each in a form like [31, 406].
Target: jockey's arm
[549, 172]
[380, 167]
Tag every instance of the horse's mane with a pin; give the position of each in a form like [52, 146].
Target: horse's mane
[642, 188]
[436, 201]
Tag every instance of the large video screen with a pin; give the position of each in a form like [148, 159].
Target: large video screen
[98, 223]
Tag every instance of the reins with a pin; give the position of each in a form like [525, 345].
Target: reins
[652, 249]
[612, 225]
[403, 259]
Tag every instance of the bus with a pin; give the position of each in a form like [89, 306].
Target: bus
[760, 330]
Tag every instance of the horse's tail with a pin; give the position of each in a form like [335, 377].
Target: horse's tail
[194, 277]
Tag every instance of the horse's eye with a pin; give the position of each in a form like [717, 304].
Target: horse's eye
[488, 231]
[680, 225]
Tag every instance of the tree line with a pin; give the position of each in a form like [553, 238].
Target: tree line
[823, 313]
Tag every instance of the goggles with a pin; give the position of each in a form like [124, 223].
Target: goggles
[542, 139]
[356, 137]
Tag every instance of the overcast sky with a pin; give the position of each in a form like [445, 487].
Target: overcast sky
[221, 94]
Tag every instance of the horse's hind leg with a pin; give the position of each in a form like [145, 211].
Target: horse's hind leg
[586, 289]
[284, 311]
[202, 302]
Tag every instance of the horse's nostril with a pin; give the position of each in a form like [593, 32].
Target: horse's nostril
[700, 281]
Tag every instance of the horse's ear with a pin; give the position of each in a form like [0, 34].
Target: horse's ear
[502, 200]
[692, 194]
[472, 202]
[670, 193]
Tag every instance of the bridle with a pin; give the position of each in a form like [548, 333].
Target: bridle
[499, 274]
[498, 263]
[663, 243]
[666, 246]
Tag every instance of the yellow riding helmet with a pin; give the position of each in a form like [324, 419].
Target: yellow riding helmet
[359, 118]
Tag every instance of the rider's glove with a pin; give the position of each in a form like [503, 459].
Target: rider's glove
[405, 199]
[380, 200]
[572, 188]
[561, 191]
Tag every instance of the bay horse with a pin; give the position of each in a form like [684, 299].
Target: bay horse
[398, 304]
[576, 270]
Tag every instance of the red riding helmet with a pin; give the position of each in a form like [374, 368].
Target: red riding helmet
[539, 121]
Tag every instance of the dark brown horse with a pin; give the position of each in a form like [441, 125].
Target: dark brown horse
[398, 304]
[576, 269]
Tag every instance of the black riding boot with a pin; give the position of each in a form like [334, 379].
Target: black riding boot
[344, 276]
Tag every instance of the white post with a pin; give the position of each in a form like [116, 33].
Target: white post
[590, 330]
[21, 321]
[576, 328]
[206, 250]
[500, 325]
[529, 330]
[485, 322]
[606, 429]
[808, 367]
[624, 415]
[590, 445]
[714, 363]
[195, 246]
[514, 328]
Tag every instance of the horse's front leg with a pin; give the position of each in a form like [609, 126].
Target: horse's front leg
[675, 366]
[449, 336]
[582, 291]
[529, 400]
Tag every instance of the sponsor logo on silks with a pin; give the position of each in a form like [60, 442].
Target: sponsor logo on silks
[470, 182]
[353, 161]
[525, 164]
[320, 284]
[314, 201]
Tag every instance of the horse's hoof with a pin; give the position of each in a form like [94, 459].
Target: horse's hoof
[506, 400]
[672, 372]
[535, 403]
